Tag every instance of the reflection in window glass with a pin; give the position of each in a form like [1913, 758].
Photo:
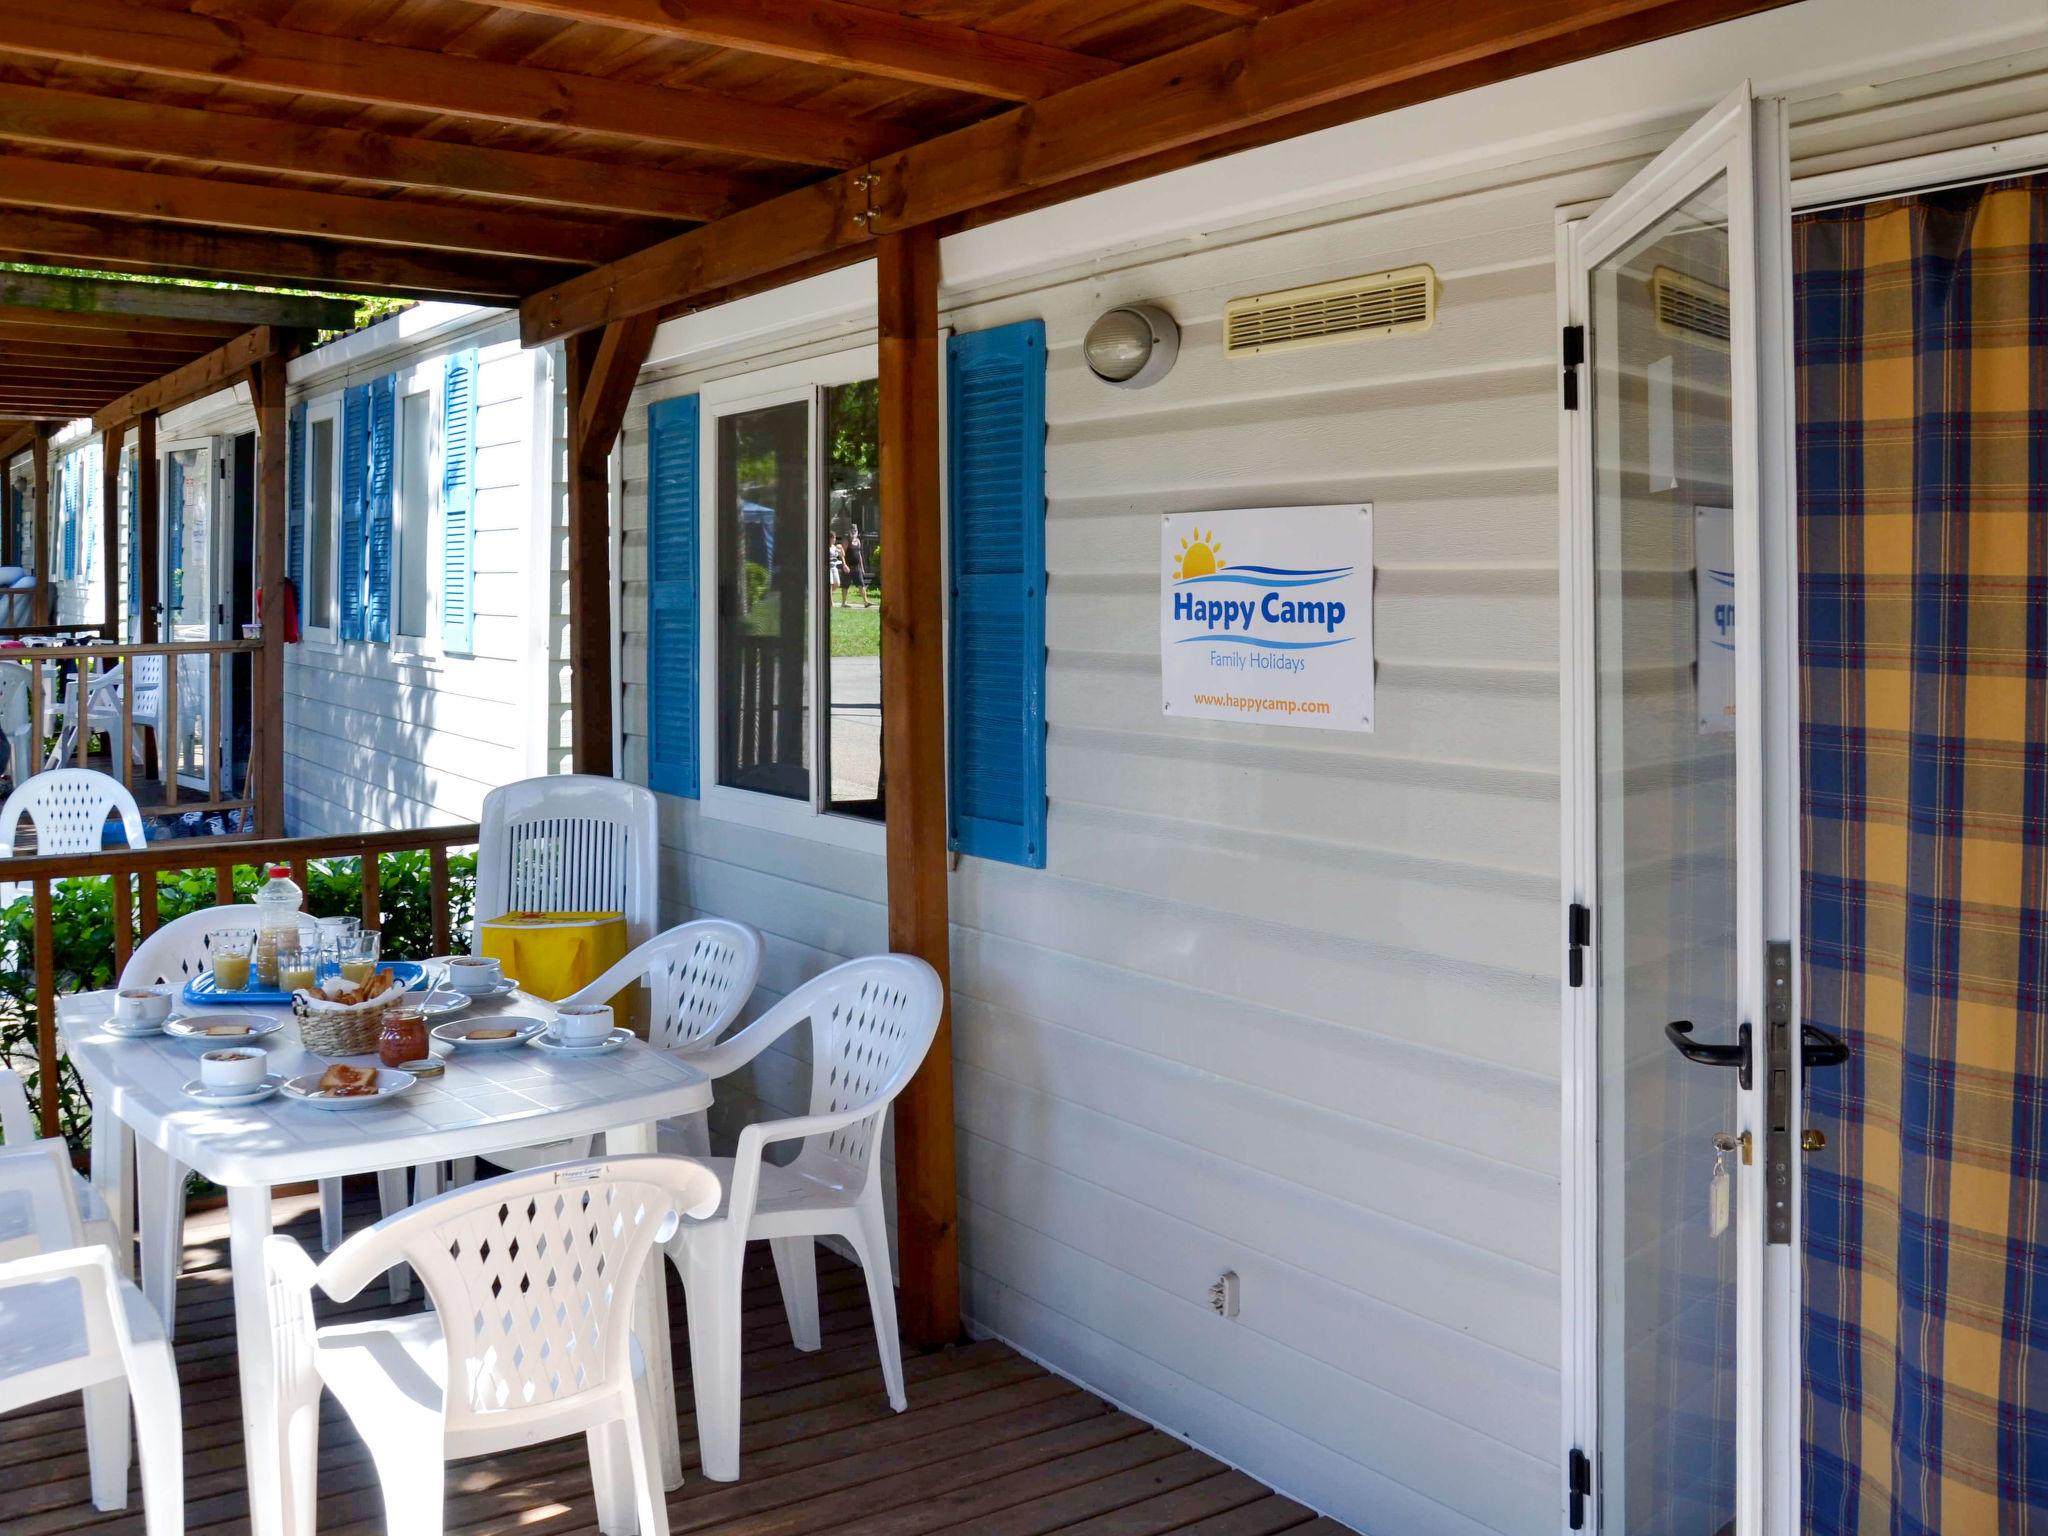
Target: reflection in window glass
[320, 525]
[763, 511]
[413, 452]
[853, 675]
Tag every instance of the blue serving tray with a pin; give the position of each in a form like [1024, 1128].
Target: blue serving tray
[200, 992]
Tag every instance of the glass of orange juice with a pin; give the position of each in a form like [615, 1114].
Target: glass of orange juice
[359, 963]
[298, 969]
[231, 956]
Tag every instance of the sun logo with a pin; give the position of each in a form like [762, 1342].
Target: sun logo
[1199, 556]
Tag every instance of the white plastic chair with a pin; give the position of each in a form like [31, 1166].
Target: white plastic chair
[69, 808]
[569, 842]
[14, 720]
[563, 842]
[103, 707]
[700, 976]
[18, 1129]
[872, 1020]
[173, 955]
[69, 1322]
[532, 1280]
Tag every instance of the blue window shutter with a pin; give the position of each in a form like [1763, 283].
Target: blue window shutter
[672, 596]
[458, 502]
[174, 533]
[67, 502]
[295, 500]
[383, 398]
[355, 476]
[995, 431]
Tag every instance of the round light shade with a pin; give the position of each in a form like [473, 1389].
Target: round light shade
[1132, 346]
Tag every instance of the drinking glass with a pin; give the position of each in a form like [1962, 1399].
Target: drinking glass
[359, 961]
[231, 958]
[298, 970]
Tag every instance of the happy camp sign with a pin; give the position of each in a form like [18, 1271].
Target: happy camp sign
[1265, 616]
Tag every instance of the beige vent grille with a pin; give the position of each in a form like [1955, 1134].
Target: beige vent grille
[1689, 309]
[1351, 309]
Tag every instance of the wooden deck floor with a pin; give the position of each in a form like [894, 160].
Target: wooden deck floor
[991, 1444]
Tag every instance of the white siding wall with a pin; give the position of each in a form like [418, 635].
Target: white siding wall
[1284, 1001]
[379, 739]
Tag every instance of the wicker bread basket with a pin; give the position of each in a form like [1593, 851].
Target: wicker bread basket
[329, 1028]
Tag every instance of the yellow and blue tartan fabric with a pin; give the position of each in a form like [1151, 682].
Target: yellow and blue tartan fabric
[1923, 467]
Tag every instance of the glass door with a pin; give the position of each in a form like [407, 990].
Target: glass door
[191, 592]
[1667, 294]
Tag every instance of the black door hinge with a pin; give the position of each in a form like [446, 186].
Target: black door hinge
[1578, 935]
[1579, 1485]
[1574, 354]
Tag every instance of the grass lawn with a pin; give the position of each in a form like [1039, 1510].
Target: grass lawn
[857, 631]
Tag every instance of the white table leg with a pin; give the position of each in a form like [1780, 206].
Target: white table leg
[651, 1324]
[113, 1175]
[273, 1502]
[160, 1183]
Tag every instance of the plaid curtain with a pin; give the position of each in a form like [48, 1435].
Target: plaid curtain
[1923, 457]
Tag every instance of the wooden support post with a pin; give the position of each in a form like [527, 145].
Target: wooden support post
[914, 763]
[602, 367]
[110, 533]
[39, 460]
[46, 1008]
[147, 519]
[266, 742]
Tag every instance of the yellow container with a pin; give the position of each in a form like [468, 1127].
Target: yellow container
[555, 953]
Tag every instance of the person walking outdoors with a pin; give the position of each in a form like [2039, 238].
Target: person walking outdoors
[856, 564]
[835, 565]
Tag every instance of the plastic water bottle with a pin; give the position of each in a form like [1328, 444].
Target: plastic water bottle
[277, 922]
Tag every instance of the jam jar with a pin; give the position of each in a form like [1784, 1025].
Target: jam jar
[403, 1036]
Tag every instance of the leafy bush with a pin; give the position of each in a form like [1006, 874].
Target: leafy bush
[82, 927]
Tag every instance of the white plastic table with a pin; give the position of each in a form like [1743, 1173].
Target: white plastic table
[486, 1102]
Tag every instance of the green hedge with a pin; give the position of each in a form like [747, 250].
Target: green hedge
[82, 916]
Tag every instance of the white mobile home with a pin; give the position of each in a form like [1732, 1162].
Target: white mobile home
[1457, 695]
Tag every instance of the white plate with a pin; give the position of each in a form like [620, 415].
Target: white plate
[524, 1029]
[443, 1002]
[548, 1042]
[497, 988]
[390, 1084]
[233, 1098]
[189, 1030]
[131, 1029]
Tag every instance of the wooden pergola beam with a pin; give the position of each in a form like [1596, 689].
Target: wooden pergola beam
[86, 345]
[914, 763]
[218, 370]
[252, 53]
[102, 301]
[602, 368]
[46, 370]
[853, 39]
[35, 115]
[15, 437]
[77, 327]
[217, 204]
[266, 747]
[187, 250]
[1240, 81]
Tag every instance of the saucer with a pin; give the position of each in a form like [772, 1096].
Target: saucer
[546, 1041]
[234, 1098]
[460, 1035]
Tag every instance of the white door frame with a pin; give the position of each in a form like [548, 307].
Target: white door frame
[1746, 142]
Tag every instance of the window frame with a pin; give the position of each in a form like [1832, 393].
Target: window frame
[783, 384]
[210, 447]
[327, 408]
[420, 379]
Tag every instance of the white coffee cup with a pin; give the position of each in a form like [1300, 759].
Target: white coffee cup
[240, 1067]
[583, 1023]
[474, 973]
[142, 1005]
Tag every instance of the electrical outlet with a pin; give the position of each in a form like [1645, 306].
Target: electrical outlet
[1223, 1294]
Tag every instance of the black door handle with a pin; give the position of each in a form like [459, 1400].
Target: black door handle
[1679, 1033]
[1821, 1048]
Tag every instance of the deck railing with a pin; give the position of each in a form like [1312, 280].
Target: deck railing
[134, 920]
[201, 668]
